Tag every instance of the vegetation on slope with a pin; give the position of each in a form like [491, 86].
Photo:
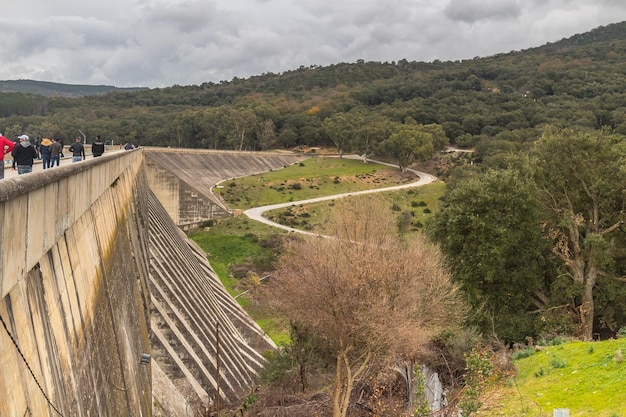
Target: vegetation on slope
[242, 251]
[588, 378]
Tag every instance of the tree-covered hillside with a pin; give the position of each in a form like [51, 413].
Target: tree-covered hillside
[48, 89]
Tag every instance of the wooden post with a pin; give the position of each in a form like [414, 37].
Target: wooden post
[217, 368]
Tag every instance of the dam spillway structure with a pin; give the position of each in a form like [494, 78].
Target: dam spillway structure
[107, 308]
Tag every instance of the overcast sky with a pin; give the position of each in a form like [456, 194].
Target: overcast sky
[159, 43]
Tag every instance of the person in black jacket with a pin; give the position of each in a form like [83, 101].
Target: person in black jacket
[97, 148]
[23, 155]
[78, 151]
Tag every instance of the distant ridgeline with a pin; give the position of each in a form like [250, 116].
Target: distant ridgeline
[48, 89]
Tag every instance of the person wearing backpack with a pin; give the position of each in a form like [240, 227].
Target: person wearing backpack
[97, 148]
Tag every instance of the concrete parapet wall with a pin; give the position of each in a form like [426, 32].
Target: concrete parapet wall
[38, 208]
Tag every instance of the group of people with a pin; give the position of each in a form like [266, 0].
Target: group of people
[50, 152]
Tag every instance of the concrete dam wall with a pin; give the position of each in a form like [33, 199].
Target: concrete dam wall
[94, 275]
[74, 281]
[182, 179]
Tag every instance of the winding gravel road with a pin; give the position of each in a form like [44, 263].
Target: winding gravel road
[257, 212]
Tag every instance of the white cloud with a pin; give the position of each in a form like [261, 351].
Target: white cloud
[159, 43]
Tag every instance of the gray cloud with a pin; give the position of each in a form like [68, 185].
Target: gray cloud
[158, 43]
[471, 11]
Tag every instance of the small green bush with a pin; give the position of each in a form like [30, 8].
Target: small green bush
[621, 333]
[558, 363]
[207, 223]
[524, 353]
[278, 366]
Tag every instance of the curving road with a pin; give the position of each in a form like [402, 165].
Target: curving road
[257, 212]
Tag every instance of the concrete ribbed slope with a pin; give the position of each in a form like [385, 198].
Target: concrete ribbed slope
[203, 169]
[182, 179]
[188, 302]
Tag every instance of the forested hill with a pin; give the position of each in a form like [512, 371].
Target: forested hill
[577, 82]
[48, 89]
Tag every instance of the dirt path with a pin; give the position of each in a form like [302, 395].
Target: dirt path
[257, 212]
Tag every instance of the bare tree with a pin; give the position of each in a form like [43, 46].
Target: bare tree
[371, 296]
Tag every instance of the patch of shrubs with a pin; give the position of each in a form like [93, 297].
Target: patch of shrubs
[523, 353]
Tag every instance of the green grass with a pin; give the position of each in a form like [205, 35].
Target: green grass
[414, 205]
[589, 378]
[232, 241]
[311, 178]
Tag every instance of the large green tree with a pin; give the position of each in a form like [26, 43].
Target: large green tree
[408, 143]
[490, 231]
[582, 184]
[340, 129]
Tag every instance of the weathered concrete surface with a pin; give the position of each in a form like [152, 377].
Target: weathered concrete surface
[74, 291]
[188, 302]
[182, 179]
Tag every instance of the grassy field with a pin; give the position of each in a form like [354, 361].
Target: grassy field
[314, 177]
[412, 207]
[588, 378]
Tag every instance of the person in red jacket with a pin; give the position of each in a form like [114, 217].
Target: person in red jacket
[7, 146]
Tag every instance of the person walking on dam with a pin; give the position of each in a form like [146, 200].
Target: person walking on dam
[44, 152]
[56, 149]
[23, 156]
[78, 151]
[7, 147]
[97, 148]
